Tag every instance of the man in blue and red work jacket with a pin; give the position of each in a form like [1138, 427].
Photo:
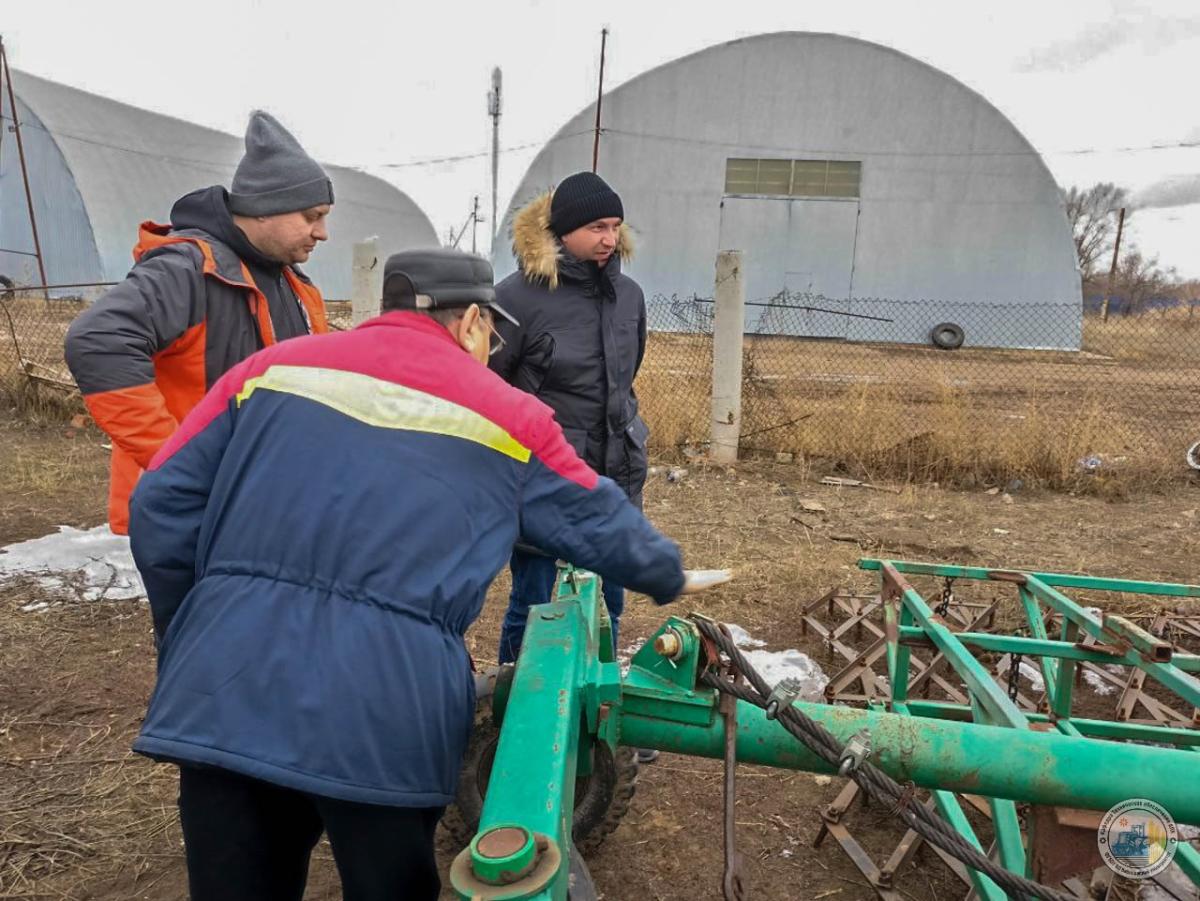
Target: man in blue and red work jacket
[315, 540]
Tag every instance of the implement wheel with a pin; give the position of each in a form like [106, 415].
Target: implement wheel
[602, 798]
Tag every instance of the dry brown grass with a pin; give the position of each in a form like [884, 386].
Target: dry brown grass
[969, 418]
[1165, 336]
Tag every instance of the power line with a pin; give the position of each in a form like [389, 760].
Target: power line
[223, 168]
[1175, 145]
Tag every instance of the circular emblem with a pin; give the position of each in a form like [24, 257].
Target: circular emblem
[1137, 838]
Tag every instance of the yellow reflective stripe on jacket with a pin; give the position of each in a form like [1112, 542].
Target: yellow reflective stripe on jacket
[385, 404]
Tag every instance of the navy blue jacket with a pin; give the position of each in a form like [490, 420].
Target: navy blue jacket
[319, 534]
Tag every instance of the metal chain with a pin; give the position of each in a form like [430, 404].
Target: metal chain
[1014, 676]
[947, 598]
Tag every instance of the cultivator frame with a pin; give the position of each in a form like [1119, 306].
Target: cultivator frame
[567, 694]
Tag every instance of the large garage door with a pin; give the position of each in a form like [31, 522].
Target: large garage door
[794, 252]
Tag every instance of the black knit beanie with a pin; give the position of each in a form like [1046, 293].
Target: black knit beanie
[582, 198]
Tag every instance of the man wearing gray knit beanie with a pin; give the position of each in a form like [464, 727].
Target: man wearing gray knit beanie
[217, 284]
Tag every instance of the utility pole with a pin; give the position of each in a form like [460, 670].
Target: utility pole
[474, 222]
[599, 99]
[16, 127]
[1112, 272]
[494, 112]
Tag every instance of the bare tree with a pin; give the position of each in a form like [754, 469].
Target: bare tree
[1091, 212]
[1140, 279]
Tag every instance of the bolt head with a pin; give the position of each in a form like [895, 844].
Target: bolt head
[668, 645]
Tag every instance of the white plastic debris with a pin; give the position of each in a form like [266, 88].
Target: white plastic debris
[88, 565]
[775, 666]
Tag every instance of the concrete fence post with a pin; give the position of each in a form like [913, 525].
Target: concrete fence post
[728, 333]
[367, 280]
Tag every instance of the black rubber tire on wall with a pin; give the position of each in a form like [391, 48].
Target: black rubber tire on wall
[947, 336]
[1193, 456]
[601, 799]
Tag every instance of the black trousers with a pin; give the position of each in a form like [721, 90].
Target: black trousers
[248, 840]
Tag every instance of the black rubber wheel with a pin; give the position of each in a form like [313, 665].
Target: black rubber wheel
[602, 798]
[1193, 456]
[947, 336]
[580, 885]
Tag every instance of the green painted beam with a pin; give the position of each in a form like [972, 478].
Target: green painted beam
[1037, 628]
[952, 811]
[1042, 647]
[543, 711]
[1057, 580]
[1018, 764]
[1187, 858]
[1167, 675]
[982, 686]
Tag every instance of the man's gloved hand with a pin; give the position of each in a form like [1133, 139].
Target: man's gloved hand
[697, 580]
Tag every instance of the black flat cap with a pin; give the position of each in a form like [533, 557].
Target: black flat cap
[439, 278]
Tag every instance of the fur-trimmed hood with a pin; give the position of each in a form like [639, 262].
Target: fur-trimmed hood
[537, 249]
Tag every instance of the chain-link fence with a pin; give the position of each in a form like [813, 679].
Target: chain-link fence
[33, 324]
[1053, 392]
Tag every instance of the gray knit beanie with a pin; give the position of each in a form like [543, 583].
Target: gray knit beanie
[276, 175]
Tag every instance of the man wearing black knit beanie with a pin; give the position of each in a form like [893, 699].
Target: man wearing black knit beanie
[578, 349]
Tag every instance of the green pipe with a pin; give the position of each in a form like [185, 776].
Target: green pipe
[1019, 764]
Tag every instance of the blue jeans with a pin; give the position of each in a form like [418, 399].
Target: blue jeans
[533, 583]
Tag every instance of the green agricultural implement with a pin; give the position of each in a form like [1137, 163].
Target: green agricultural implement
[568, 719]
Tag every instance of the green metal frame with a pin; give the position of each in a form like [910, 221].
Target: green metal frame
[568, 694]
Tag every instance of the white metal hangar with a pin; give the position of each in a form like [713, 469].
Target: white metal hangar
[98, 168]
[854, 179]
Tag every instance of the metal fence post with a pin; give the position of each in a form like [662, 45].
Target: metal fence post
[728, 333]
[367, 282]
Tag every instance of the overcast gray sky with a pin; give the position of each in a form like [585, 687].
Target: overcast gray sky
[388, 85]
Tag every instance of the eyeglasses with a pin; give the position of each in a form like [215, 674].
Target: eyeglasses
[496, 341]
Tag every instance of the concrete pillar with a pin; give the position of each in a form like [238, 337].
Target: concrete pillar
[728, 333]
[367, 282]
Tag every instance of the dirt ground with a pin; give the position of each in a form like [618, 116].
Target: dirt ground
[82, 818]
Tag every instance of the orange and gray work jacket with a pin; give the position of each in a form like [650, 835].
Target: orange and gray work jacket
[148, 350]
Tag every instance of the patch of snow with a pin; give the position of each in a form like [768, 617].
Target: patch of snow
[89, 565]
[744, 639]
[775, 666]
[1099, 686]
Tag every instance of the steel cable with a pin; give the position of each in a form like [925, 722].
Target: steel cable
[929, 825]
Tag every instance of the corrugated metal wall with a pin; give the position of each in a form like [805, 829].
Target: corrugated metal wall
[957, 212]
[123, 165]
